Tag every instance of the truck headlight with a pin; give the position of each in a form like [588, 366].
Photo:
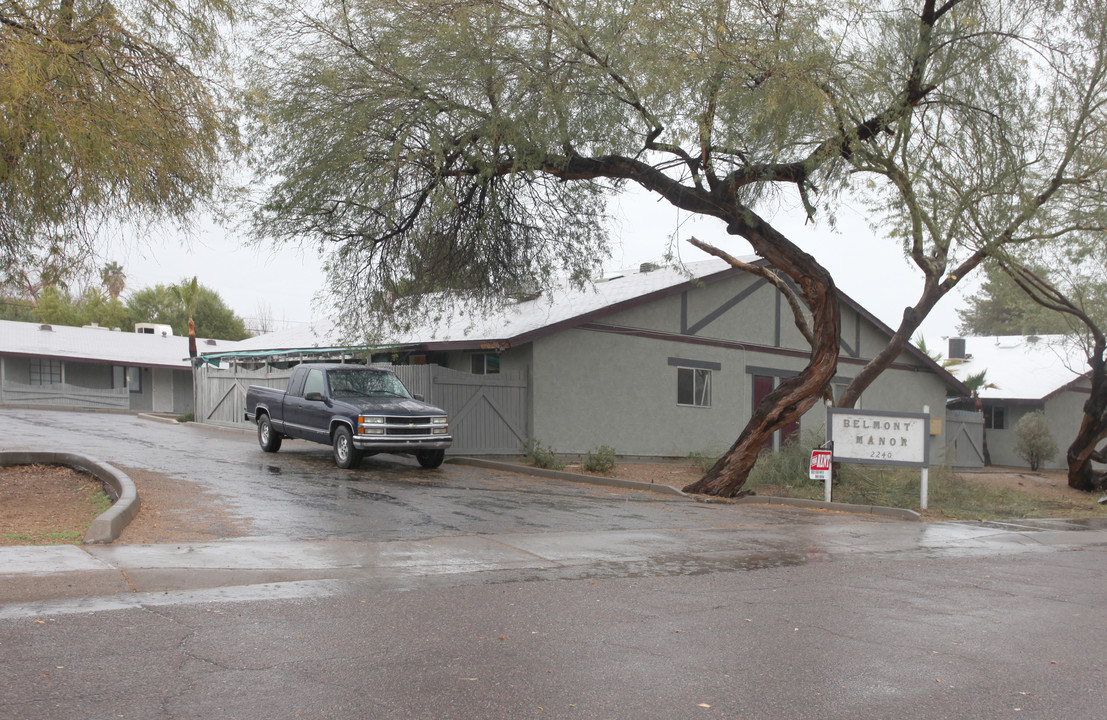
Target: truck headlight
[440, 420]
[370, 425]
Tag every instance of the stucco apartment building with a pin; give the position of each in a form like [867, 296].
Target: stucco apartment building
[95, 368]
[656, 362]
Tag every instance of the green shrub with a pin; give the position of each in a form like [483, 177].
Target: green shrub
[1035, 442]
[541, 456]
[186, 418]
[600, 460]
[788, 467]
[704, 459]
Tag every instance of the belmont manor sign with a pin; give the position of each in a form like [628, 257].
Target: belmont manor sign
[878, 437]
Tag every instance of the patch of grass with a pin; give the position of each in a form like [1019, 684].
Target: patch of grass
[704, 459]
[99, 500]
[186, 418]
[786, 474]
[65, 537]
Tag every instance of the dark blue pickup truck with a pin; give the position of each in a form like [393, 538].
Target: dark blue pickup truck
[355, 409]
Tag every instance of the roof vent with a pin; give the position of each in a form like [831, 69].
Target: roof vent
[46, 328]
[209, 342]
[647, 267]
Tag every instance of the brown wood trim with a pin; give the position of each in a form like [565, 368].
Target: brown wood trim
[729, 344]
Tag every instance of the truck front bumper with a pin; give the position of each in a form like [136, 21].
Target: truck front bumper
[405, 444]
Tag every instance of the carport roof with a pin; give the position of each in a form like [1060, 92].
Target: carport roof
[94, 344]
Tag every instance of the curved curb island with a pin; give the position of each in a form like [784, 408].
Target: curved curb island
[109, 524]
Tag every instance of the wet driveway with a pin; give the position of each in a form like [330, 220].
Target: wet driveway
[299, 494]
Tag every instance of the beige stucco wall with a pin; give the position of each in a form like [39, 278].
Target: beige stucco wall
[597, 387]
[1064, 412]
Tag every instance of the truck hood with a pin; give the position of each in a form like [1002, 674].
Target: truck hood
[393, 406]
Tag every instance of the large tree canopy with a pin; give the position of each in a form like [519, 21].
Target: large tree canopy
[1009, 154]
[470, 145]
[106, 115]
[1001, 307]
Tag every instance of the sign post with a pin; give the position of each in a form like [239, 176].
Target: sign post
[822, 460]
[879, 437]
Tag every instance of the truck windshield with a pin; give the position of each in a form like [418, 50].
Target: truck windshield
[366, 383]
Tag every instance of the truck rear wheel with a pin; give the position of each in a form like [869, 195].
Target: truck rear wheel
[268, 438]
[346, 456]
[430, 458]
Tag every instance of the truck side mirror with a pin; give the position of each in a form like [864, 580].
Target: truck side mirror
[314, 396]
[418, 397]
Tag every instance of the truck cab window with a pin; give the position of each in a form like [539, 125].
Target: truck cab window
[314, 382]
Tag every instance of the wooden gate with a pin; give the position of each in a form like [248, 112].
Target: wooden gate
[221, 394]
[964, 439]
[489, 414]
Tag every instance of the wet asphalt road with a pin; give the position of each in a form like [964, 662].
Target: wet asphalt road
[599, 603]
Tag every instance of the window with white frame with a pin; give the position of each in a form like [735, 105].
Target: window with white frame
[694, 381]
[485, 364]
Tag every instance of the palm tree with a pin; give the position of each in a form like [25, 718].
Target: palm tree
[186, 292]
[975, 383]
[113, 278]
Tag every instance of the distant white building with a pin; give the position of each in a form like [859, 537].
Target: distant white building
[1024, 374]
[93, 367]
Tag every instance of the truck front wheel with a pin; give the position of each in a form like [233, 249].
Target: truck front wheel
[268, 438]
[346, 456]
[430, 458]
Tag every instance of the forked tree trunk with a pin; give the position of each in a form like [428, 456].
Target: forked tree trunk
[795, 395]
[1093, 429]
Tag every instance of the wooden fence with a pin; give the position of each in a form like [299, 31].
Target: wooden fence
[489, 414]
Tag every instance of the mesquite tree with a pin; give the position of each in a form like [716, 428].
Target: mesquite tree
[1063, 296]
[1010, 152]
[108, 112]
[470, 146]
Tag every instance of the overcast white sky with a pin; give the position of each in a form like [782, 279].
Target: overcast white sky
[870, 269]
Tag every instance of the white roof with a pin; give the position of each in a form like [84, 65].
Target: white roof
[1020, 367]
[100, 345]
[560, 305]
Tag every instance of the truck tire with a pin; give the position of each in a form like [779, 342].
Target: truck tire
[268, 438]
[430, 458]
[346, 456]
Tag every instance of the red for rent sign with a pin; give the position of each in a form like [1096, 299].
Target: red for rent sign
[820, 464]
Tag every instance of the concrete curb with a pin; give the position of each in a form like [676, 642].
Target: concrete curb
[890, 512]
[567, 476]
[109, 524]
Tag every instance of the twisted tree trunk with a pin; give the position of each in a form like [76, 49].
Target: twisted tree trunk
[797, 394]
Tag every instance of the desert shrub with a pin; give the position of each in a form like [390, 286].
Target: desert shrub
[539, 455]
[600, 460]
[704, 459]
[1035, 442]
[788, 467]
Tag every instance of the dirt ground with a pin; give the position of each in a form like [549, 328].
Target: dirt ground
[46, 499]
[38, 499]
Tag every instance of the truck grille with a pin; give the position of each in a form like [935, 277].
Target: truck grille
[407, 426]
